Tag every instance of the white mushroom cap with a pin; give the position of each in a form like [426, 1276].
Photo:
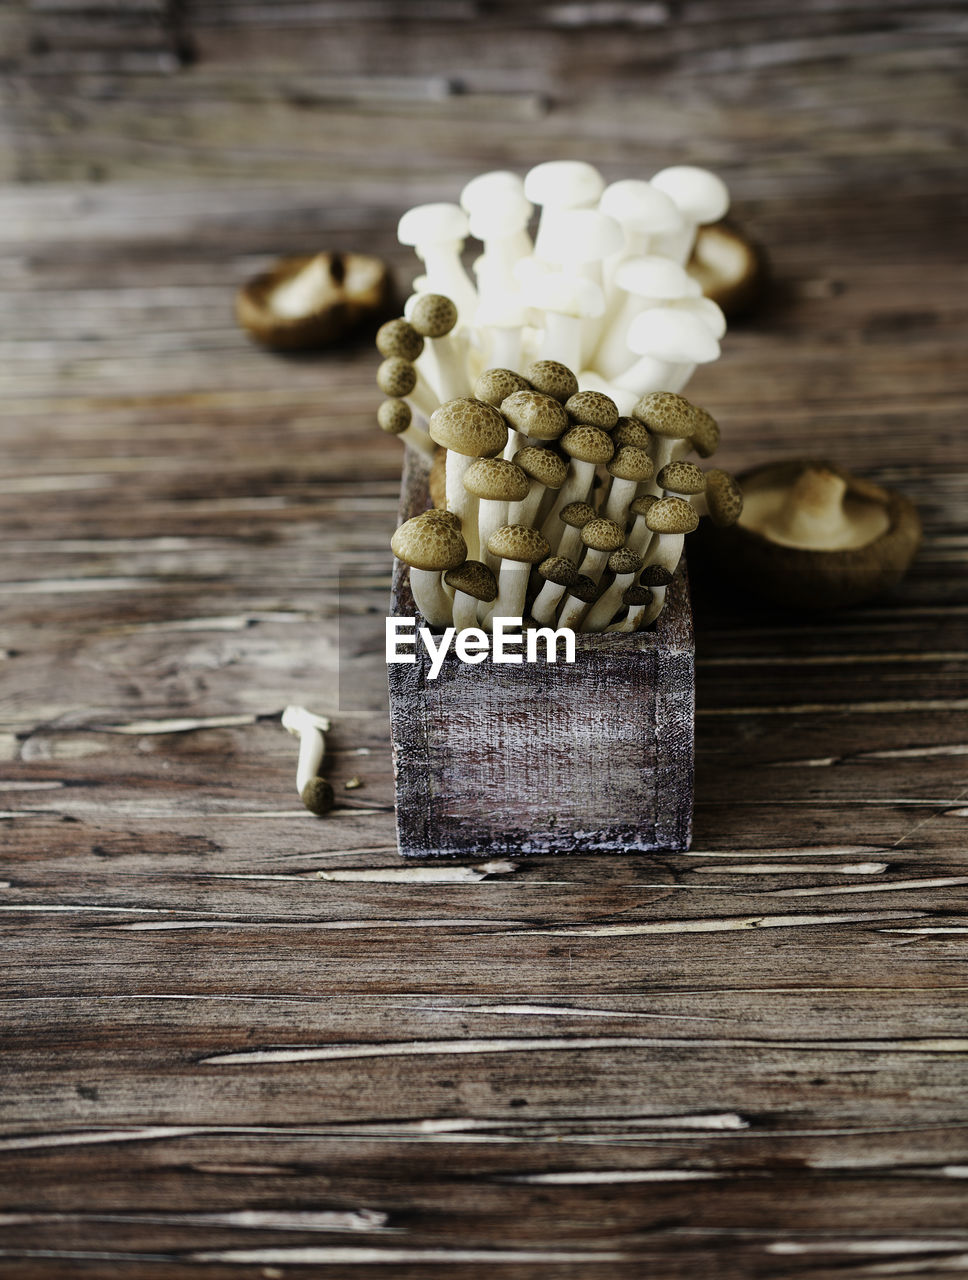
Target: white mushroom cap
[673, 335]
[700, 195]
[640, 206]
[564, 184]
[653, 276]
[574, 236]
[489, 186]
[432, 224]
[501, 311]
[709, 312]
[504, 213]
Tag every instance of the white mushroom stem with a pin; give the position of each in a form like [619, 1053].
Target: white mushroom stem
[418, 438]
[430, 597]
[651, 611]
[640, 537]
[608, 604]
[526, 511]
[546, 602]
[593, 563]
[634, 619]
[569, 544]
[309, 729]
[620, 494]
[665, 550]
[572, 612]
[446, 367]
[492, 515]
[300, 295]
[512, 591]
[423, 398]
[465, 610]
[577, 486]
[648, 373]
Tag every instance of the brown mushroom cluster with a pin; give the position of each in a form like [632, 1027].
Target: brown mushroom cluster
[557, 509]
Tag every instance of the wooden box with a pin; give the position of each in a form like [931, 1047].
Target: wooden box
[590, 757]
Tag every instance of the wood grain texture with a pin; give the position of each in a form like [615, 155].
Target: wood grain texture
[239, 1041]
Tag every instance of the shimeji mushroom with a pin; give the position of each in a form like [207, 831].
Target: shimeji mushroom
[669, 342]
[495, 482]
[699, 195]
[399, 340]
[625, 564]
[670, 519]
[682, 478]
[434, 316]
[518, 548]
[394, 416]
[656, 578]
[473, 583]
[553, 378]
[813, 536]
[567, 301]
[429, 545]
[436, 232]
[629, 468]
[636, 598]
[499, 321]
[495, 385]
[533, 415]
[578, 241]
[643, 212]
[641, 283]
[315, 792]
[631, 431]
[588, 448]
[558, 573]
[546, 472]
[601, 537]
[722, 498]
[574, 517]
[641, 534]
[467, 429]
[592, 409]
[500, 220]
[581, 593]
[671, 421]
[561, 184]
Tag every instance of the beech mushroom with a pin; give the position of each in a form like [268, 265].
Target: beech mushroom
[592, 409]
[558, 573]
[641, 534]
[467, 429]
[472, 583]
[682, 478]
[437, 232]
[558, 185]
[399, 338]
[553, 378]
[641, 283]
[625, 564]
[499, 219]
[567, 301]
[518, 548]
[656, 578]
[495, 385]
[631, 431]
[813, 536]
[671, 421]
[722, 498]
[429, 546]
[534, 415]
[545, 471]
[395, 417]
[642, 211]
[315, 792]
[629, 468]
[601, 537]
[637, 599]
[434, 316]
[574, 516]
[495, 482]
[669, 342]
[670, 519]
[306, 303]
[588, 447]
[699, 195]
[581, 593]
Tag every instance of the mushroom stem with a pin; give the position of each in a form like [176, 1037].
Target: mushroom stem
[814, 517]
[525, 511]
[546, 602]
[309, 729]
[512, 590]
[465, 610]
[417, 438]
[430, 597]
[581, 477]
[492, 515]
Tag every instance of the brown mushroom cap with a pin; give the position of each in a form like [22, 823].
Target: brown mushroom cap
[588, 444]
[705, 435]
[592, 409]
[811, 579]
[495, 385]
[724, 497]
[656, 575]
[666, 414]
[624, 560]
[558, 569]
[681, 477]
[396, 376]
[433, 315]
[317, 795]
[431, 544]
[631, 463]
[584, 588]
[576, 514]
[468, 426]
[672, 515]
[357, 290]
[628, 431]
[518, 542]
[439, 513]
[636, 594]
[399, 338]
[603, 535]
[553, 378]
[640, 506]
[542, 465]
[535, 414]
[394, 416]
[473, 578]
[496, 480]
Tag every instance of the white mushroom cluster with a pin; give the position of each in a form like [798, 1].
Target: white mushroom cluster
[596, 281]
[559, 509]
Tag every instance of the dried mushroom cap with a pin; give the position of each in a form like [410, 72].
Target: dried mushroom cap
[433, 315]
[311, 302]
[394, 416]
[666, 414]
[495, 385]
[681, 477]
[396, 377]
[518, 542]
[879, 533]
[729, 268]
[588, 444]
[399, 338]
[705, 432]
[624, 560]
[535, 414]
[431, 544]
[439, 513]
[631, 463]
[474, 579]
[576, 514]
[592, 409]
[636, 594]
[656, 575]
[496, 480]
[584, 588]
[672, 515]
[317, 795]
[724, 498]
[640, 506]
[542, 465]
[628, 431]
[603, 535]
[470, 427]
[553, 378]
[558, 569]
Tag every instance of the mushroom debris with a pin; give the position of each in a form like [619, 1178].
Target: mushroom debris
[591, 538]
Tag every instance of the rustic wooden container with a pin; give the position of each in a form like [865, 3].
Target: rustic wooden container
[590, 757]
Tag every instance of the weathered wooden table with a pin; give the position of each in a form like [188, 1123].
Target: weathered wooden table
[241, 1041]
